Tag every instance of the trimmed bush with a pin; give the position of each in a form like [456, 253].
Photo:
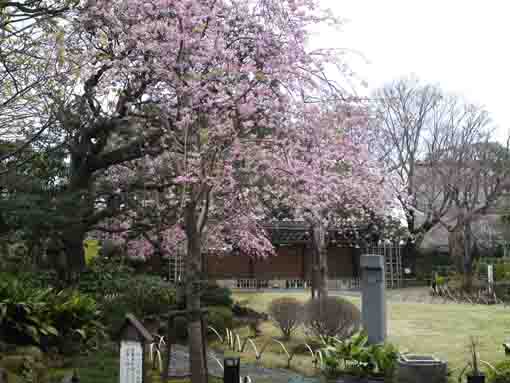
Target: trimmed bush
[287, 314]
[219, 317]
[332, 317]
[212, 295]
[502, 373]
[215, 295]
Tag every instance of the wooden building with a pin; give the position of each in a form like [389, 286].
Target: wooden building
[291, 267]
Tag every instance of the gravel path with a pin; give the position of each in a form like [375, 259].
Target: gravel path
[179, 366]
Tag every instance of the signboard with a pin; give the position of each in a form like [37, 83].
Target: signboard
[131, 362]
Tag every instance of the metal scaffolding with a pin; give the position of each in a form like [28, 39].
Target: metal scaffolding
[392, 254]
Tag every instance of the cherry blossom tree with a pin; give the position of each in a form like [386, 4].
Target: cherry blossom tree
[219, 79]
[320, 166]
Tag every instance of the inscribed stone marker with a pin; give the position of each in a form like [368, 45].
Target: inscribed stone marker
[133, 338]
[373, 306]
[131, 362]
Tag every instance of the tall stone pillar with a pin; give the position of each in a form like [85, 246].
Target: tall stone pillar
[373, 304]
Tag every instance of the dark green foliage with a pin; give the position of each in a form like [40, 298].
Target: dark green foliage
[501, 373]
[332, 317]
[429, 261]
[144, 296]
[217, 296]
[353, 356]
[218, 301]
[502, 272]
[77, 319]
[98, 367]
[47, 317]
[220, 317]
[106, 276]
[23, 312]
[213, 295]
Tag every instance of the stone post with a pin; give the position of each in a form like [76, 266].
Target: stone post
[373, 300]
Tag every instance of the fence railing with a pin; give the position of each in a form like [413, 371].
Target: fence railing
[254, 284]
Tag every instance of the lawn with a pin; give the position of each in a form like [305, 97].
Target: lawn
[439, 329]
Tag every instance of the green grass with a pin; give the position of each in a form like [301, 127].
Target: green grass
[443, 330]
[98, 367]
[439, 329]
[102, 367]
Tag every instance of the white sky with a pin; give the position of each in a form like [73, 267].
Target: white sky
[462, 45]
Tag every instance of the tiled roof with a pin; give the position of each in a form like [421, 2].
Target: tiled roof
[288, 232]
[298, 232]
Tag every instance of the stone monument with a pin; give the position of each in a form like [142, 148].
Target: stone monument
[373, 299]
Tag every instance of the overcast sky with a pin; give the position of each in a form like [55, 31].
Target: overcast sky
[463, 45]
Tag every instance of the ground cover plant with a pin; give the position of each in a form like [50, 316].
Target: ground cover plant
[47, 317]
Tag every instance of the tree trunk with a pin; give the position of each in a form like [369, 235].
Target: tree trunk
[456, 248]
[460, 243]
[193, 265]
[467, 281]
[320, 262]
[74, 253]
[77, 209]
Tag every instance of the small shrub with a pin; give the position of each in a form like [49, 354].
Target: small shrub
[104, 277]
[353, 356]
[332, 317]
[440, 280]
[502, 272]
[215, 295]
[76, 317]
[23, 312]
[147, 296]
[287, 313]
[247, 316]
[212, 295]
[502, 373]
[220, 317]
[46, 317]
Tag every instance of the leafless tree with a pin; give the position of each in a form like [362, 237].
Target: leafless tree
[412, 121]
[446, 168]
[479, 174]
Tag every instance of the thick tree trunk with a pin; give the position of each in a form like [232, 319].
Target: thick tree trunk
[320, 262]
[72, 240]
[460, 243]
[77, 209]
[193, 265]
[456, 248]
